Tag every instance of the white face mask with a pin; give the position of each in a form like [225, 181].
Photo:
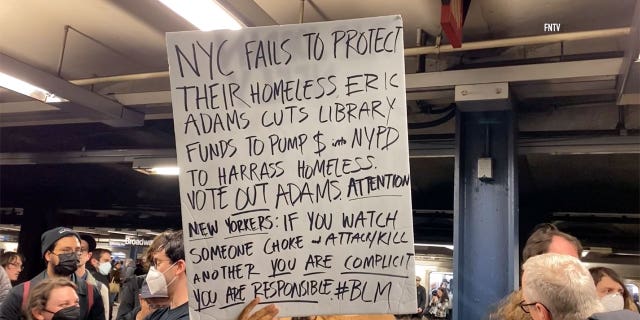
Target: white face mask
[104, 268]
[612, 302]
[156, 281]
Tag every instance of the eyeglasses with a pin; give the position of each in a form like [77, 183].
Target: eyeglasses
[526, 307]
[17, 266]
[69, 250]
[156, 262]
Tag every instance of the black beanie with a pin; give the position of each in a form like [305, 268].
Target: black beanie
[90, 241]
[50, 237]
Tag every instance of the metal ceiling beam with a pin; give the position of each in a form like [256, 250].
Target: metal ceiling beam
[442, 82]
[89, 103]
[442, 148]
[601, 69]
[530, 72]
[130, 221]
[99, 156]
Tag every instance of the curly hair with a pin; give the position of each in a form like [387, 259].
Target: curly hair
[509, 308]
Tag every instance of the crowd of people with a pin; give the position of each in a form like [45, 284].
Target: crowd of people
[79, 282]
[82, 282]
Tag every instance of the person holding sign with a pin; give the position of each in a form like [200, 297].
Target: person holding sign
[167, 277]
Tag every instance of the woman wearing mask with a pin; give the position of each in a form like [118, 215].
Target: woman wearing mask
[53, 298]
[611, 290]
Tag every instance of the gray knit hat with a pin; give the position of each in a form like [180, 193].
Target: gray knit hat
[50, 237]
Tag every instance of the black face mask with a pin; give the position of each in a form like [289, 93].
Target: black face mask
[67, 264]
[68, 313]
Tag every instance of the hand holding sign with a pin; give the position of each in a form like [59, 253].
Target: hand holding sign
[267, 313]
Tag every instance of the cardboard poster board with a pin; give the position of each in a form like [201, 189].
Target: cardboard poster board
[294, 168]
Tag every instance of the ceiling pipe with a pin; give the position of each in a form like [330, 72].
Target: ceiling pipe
[301, 18]
[511, 42]
[489, 44]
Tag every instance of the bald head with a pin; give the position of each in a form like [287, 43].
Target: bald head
[561, 245]
[547, 238]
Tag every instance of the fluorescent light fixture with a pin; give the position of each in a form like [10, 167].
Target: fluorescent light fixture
[600, 250]
[159, 166]
[206, 15]
[165, 171]
[10, 229]
[89, 232]
[426, 245]
[28, 89]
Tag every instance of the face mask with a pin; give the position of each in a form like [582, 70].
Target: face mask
[156, 281]
[68, 313]
[67, 264]
[104, 268]
[612, 302]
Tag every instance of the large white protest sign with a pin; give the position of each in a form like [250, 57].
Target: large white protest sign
[294, 168]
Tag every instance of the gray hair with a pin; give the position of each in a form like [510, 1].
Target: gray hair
[562, 284]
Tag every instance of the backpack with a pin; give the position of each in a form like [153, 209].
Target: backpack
[27, 285]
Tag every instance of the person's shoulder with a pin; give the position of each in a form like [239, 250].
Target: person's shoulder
[616, 315]
[181, 311]
[157, 314]
[16, 292]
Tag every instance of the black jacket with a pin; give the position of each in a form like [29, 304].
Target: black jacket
[422, 299]
[129, 302]
[179, 313]
[11, 308]
[616, 315]
[99, 276]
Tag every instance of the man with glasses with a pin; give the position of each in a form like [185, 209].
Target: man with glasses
[61, 251]
[558, 286]
[89, 274]
[167, 277]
